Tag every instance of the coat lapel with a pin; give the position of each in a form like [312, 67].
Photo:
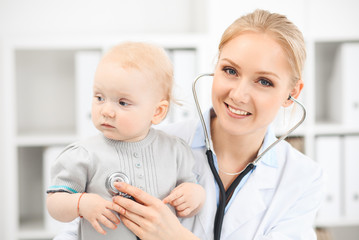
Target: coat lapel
[249, 202]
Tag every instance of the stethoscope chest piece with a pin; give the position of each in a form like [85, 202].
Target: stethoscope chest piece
[117, 177]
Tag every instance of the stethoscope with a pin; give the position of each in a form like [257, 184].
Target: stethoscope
[224, 196]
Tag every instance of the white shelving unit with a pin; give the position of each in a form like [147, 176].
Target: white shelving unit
[336, 128]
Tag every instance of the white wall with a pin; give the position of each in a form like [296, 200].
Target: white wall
[98, 17]
[334, 18]
[225, 12]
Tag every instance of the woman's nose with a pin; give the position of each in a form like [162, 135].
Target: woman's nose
[108, 110]
[240, 92]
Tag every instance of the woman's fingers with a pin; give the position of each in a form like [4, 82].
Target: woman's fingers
[130, 205]
[139, 195]
[132, 226]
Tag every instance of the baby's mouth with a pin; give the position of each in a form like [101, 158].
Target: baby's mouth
[107, 125]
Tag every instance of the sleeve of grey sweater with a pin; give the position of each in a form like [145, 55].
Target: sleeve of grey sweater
[69, 170]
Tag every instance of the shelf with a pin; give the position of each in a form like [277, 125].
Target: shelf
[35, 235]
[44, 140]
[335, 129]
[341, 222]
[34, 229]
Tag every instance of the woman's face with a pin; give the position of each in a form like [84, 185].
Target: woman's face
[251, 81]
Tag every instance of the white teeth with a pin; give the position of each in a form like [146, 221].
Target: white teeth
[238, 112]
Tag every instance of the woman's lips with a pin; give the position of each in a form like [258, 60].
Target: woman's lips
[237, 112]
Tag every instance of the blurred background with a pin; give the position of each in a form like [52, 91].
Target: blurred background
[49, 51]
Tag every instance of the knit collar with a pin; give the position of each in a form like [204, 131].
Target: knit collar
[138, 144]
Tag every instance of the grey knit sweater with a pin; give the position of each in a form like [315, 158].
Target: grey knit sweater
[155, 164]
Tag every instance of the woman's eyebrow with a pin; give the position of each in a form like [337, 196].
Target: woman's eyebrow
[231, 62]
[268, 73]
[259, 72]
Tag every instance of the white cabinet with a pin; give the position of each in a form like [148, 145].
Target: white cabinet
[339, 157]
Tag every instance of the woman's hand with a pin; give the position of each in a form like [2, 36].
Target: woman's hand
[148, 217]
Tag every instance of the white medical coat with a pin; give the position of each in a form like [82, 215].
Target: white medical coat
[275, 203]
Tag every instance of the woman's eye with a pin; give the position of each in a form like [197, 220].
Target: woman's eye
[123, 103]
[265, 82]
[230, 71]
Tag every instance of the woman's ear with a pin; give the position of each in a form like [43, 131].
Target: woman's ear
[160, 112]
[294, 93]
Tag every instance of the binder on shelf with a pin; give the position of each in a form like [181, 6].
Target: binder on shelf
[343, 94]
[85, 66]
[49, 155]
[351, 177]
[328, 154]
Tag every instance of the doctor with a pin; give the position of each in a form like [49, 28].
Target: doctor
[261, 56]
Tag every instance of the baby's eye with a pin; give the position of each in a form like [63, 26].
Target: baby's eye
[99, 98]
[265, 82]
[230, 71]
[123, 103]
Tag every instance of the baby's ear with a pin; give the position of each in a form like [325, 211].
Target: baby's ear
[294, 93]
[160, 112]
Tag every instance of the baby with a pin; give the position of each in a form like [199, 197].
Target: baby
[132, 90]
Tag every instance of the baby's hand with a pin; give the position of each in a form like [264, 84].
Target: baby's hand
[187, 199]
[96, 210]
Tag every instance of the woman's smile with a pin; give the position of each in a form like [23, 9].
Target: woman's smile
[237, 112]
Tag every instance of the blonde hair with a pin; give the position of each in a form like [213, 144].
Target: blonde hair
[280, 28]
[147, 58]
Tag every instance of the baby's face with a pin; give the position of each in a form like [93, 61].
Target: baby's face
[124, 102]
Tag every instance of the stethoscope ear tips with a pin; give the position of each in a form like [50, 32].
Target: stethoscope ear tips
[289, 97]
